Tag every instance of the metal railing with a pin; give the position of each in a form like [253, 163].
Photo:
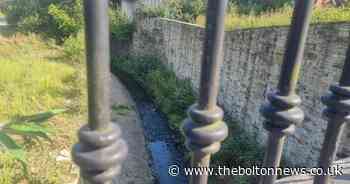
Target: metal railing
[101, 150]
[282, 113]
[337, 113]
[205, 129]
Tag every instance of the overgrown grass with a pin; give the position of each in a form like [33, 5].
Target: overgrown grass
[280, 17]
[173, 96]
[37, 76]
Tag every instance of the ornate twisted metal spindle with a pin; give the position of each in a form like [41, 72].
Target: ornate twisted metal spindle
[337, 113]
[282, 113]
[100, 150]
[204, 129]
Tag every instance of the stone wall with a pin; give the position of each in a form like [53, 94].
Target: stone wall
[252, 60]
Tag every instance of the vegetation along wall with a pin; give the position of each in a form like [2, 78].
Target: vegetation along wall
[252, 60]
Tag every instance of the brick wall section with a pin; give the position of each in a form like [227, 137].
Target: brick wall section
[252, 60]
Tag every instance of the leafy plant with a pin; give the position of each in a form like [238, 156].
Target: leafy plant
[65, 24]
[121, 27]
[176, 9]
[29, 127]
[54, 18]
[73, 48]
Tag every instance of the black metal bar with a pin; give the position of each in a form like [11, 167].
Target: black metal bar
[100, 149]
[337, 113]
[204, 129]
[282, 113]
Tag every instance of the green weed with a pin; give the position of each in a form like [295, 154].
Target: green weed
[121, 27]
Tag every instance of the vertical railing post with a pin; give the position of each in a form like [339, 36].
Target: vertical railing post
[337, 113]
[100, 149]
[282, 113]
[205, 129]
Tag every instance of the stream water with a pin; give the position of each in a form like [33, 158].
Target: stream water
[160, 139]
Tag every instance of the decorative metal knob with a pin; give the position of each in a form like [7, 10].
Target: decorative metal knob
[99, 153]
[282, 117]
[283, 113]
[204, 130]
[337, 114]
[337, 102]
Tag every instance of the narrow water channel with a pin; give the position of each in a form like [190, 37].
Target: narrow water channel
[160, 139]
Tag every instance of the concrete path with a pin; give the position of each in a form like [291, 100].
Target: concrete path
[136, 168]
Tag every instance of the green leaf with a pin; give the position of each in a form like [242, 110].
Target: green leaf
[28, 126]
[20, 156]
[27, 129]
[8, 142]
[14, 149]
[35, 127]
[40, 117]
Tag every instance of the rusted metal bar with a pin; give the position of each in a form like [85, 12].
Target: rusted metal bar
[282, 113]
[100, 149]
[205, 129]
[337, 113]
